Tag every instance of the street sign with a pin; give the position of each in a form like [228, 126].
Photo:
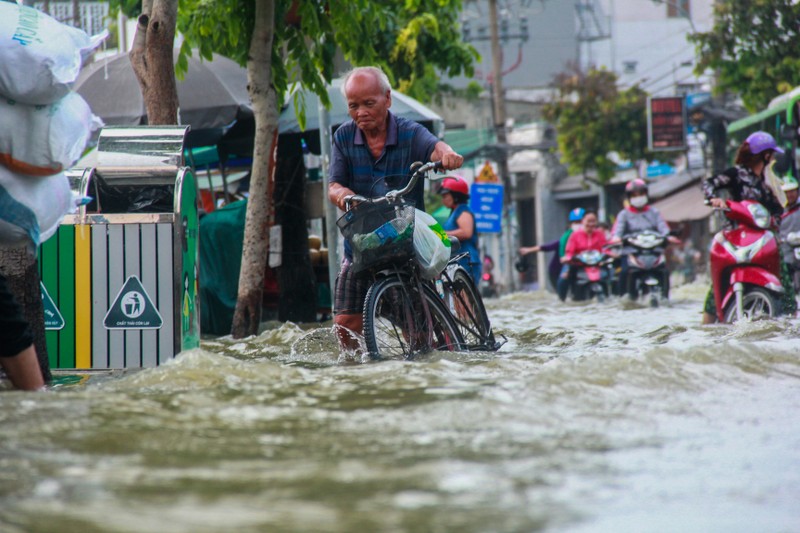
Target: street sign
[132, 308]
[666, 123]
[487, 174]
[52, 316]
[486, 203]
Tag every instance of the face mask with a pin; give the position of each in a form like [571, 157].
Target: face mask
[639, 201]
[576, 225]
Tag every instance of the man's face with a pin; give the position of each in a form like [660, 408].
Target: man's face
[366, 103]
[791, 196]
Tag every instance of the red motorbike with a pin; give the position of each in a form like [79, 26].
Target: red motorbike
[745, 264]
[593, 275]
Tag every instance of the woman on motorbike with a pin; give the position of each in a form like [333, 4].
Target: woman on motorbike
[745, 181]
[790, 223]
[587, 237]
[636, 217]
[461, 223]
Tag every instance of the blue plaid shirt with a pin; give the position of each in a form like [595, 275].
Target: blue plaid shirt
[353, 165]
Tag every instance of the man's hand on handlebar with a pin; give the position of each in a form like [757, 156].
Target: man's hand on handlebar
[452, 161]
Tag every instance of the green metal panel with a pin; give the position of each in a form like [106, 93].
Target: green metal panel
[66, 296]
[48, 262]
[190, 250]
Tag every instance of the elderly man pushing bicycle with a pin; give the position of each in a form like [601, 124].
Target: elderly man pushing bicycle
[369, 153]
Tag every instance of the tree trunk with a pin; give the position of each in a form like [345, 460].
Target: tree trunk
[18, 264]
[247, 315]
[296, 277]
[152, 61]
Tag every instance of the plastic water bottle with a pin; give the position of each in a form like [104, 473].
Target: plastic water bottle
[386, 234]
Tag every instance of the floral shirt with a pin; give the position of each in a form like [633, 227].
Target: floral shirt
[742, 184]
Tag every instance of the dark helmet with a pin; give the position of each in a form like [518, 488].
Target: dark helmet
[635, 186]
[455, 184]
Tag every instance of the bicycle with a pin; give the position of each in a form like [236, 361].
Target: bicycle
[403, 314]
[464, 302]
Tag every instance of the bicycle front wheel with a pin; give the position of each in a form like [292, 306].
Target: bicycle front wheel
[466, 306]
[397, 326]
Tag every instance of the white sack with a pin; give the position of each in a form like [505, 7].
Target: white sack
[39, 56]
[44, 140]
[34, 205]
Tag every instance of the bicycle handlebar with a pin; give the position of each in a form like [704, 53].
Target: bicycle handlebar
[419, 169]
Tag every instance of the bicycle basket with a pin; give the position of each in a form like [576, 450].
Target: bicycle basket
[379, 234]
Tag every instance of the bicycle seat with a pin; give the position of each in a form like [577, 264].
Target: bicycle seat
[455, 246]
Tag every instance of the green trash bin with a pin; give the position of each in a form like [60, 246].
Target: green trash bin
[120, 278]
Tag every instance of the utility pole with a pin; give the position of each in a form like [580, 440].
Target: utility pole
[499, 106]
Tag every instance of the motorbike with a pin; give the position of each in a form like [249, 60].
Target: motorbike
[647, 266]
[745, 264]
[793, 240]
[488, 287]
[593, 275]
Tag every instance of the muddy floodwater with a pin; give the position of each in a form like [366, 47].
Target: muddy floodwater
[592, 418]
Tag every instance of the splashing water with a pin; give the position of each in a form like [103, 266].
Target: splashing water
[593, 417]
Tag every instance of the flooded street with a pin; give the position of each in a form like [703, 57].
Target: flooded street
[593, 417]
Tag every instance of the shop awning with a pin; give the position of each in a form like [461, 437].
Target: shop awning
[684, 205]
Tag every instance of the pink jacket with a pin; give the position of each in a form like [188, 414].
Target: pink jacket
[580, 241]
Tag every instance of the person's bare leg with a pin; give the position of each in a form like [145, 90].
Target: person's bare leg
[347, 325]
[709, 318]
[23, 369]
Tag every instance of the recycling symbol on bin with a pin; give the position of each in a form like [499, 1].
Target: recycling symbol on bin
[132, 308]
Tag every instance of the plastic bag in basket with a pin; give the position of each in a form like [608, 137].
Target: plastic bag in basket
[431, 245]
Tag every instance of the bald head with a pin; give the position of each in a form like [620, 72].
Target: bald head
[365, 75]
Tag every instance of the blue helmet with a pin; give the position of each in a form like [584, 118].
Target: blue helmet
[576, 215]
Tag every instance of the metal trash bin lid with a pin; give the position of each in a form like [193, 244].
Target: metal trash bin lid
[146, 155]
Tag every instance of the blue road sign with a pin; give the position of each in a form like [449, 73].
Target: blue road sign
[486, 203]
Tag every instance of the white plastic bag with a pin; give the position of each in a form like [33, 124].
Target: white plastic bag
[39, 56]
[431, 245]
[46, 139]
[35, 206]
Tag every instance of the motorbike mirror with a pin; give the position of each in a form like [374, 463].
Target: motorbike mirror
[788, 132]
[783, 163]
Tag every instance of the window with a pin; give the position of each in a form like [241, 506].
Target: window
[678, 8]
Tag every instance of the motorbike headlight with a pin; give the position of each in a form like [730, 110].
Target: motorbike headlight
[760, 215]
[793, 238]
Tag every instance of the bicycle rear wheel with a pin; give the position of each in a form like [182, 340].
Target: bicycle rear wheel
[466, 306]
[396, 325]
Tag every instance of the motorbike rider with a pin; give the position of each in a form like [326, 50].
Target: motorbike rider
[790, 223]
[557, 245]
[746, 181]
[636, 217]
[461, 223]
[587, 237]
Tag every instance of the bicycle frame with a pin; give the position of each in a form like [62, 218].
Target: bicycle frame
[420, 321]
